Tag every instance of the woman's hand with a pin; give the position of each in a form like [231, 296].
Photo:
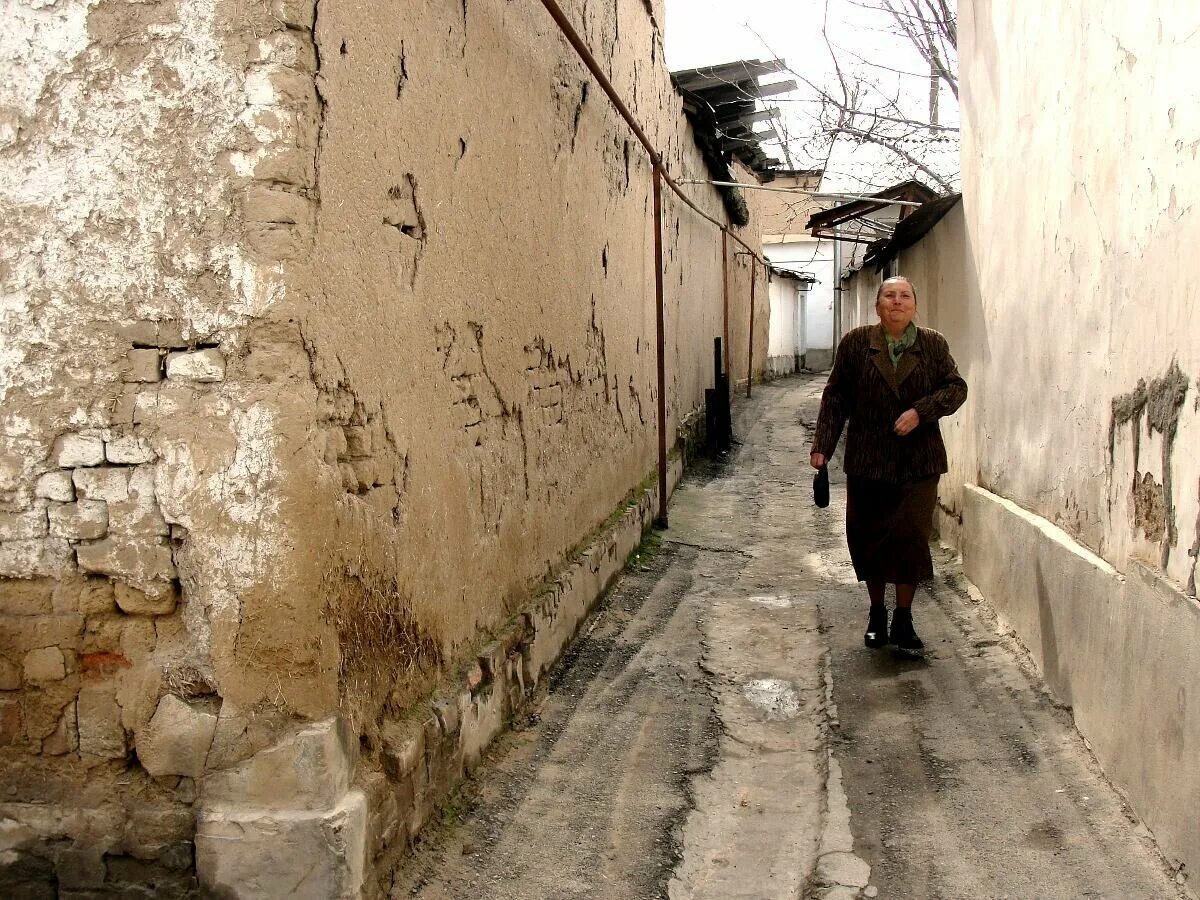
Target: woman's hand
[817, 460]
[907, 422]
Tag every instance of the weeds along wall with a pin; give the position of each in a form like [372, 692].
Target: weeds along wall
[328, 334]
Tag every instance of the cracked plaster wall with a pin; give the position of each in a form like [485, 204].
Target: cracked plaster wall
[1081, 215]
[484, 233]
[328, 332]
[143, 532]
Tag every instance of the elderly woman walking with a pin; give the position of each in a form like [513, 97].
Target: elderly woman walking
[892, 382]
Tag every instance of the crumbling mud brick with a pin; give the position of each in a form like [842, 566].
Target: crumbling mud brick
[142, 365]
[291, 166]
[71, 450]
[83, 520]
[20, 526]
[45, 557]
[201, 365]
[100, 731]
[277, 207]
[156, 600]
[177, 739]
[107, 483]
[10, 675]
[129, 450]
[294, 13]
[151, 831]
[44, 664]
[65, 738]
[139, 559]
[358, 441]
[31, 597]
[55, 486]
[80, 869]
[138, 513]
[164, 333]
[290, 48]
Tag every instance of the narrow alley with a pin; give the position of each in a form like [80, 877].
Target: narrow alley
[719, 730]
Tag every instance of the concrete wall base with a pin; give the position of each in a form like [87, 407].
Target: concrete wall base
[1120, 650]
[778, 366]
[288, 823]
[817, 360]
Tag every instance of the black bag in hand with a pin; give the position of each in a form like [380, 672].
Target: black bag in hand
[821, 487]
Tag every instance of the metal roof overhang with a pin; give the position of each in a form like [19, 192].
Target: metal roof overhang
[829, 223]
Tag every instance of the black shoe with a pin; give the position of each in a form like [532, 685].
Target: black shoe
[877, 628]
[904, 636]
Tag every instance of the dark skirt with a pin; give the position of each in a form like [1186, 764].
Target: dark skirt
[888, 527]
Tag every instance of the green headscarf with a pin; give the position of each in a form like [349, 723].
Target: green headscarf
[897, 346]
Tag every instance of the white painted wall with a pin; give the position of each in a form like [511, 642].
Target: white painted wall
[785, 337]
[1082, 220]
[815, 257]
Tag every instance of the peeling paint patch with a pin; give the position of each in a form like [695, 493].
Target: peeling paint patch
[1150, 508]
[1158, 403]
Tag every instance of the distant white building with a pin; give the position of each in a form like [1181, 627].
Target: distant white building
[851, 229]
[802, 290]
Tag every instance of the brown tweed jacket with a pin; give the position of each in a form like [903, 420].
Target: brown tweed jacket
[866, 389]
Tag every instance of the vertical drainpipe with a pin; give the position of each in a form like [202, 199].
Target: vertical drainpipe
[725, 295]
[750, 361]
[660, 310]
[837, 293]
[797, 324]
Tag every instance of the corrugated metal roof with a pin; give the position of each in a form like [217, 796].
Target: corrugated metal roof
[909, 230]
[722, 104]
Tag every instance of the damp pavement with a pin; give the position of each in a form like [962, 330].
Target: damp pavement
[719, 731]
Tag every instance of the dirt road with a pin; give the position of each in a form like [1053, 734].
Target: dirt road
[719, 731]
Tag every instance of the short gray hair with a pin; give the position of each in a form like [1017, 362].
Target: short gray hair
[886, 281]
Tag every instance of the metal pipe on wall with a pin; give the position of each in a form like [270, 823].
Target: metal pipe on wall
[661, 344]
[750, 360]
[837, 293]
[660, 175]
[725, 296]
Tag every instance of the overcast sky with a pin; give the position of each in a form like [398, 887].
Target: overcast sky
[707, 32]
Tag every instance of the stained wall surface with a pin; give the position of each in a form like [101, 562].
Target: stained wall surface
[1080, 189]
[1093, 345]
[328, 334]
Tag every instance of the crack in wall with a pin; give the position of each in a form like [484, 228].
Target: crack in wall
[408, 218]
[402, 75]
[583, 97]
[316, 80]
[1194, 553]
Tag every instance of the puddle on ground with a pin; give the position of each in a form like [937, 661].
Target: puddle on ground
[774, 601]
[775, 697]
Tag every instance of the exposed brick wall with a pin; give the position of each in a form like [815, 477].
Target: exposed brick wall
[296, 418]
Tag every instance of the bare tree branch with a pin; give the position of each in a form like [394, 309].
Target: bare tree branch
[869, 138]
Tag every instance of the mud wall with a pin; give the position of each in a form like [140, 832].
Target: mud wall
[328, 335]
[476, 291]
[139, 482]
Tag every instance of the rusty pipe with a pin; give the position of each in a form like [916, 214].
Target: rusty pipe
[573, 38]
[750, 361]
[589, 61]
[725, 295]
[661, 343]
